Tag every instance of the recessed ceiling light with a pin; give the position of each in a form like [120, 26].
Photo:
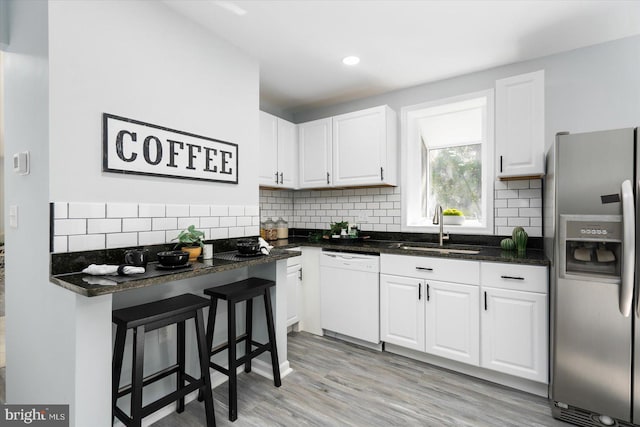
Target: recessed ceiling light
[350, 60]
[231, 7]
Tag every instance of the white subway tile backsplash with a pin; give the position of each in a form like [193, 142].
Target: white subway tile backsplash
[236, 232]
[535, 183]
[60, 244]
[530, 212]
[501, 203]
[513, 212]
[219, 233]
[199, 210]
[209, 222]
[517, 185]
[121, 240]
[507, 194]
[243, 221]
[228, 221]
[136, 224]
[87, 210]
[500, 185]
[184, 223]
[149, 210]
[219, 210]
[514, 222]
[177, 210]
[171, 236]
[254, 210]
[518, 203]
[110, 225]
[66, 227]
[530, 194]
[239, 210]
[151, 237]
[60, 210]
[86, 242]
[164, 223]
[252, 230]
[122, 210]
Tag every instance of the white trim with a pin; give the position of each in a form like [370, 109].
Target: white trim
[410, 165]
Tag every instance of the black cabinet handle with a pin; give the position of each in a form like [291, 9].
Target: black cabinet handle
[428, 297]
[276, 177]
[419, 291]
[485, 301]
[500, 163]
[281, 177]
[512, 277]
[327, 177]
[381, 174]
[424, 268]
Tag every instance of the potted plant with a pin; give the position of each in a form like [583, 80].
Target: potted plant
[191, 242]
[452, 217]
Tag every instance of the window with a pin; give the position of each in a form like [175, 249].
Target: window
[447, 161]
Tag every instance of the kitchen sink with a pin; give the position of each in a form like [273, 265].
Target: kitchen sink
[431, 248]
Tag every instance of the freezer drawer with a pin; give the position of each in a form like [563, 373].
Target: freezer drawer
[592, 349]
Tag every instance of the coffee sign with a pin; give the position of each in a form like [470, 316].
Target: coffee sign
[134, 147]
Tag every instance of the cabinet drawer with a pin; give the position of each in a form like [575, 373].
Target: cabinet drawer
[514, 276]
[446, 270]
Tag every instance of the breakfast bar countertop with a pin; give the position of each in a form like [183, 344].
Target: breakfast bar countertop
[91, 286]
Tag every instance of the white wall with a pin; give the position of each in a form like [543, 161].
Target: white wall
[40, 323]
[588, 89]
[68, 62]
[140, 60]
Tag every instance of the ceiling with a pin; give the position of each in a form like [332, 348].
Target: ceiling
[300, 43]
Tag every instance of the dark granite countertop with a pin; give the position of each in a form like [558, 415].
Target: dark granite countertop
[487, 253]
[80, 282]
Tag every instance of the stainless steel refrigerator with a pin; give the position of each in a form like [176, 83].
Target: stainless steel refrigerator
[590, 233]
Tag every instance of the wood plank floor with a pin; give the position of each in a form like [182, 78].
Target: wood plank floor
[338, 384]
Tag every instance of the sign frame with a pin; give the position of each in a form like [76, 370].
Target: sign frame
[210, 145]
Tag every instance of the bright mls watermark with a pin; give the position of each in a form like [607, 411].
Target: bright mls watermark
[35, 415]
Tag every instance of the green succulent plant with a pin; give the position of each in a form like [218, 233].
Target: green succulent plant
[190, 237]
[452, 212]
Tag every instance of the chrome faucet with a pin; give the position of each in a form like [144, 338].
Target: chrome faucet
[437, 219]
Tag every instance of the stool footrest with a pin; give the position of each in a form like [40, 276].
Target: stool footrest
[157, 376]
[222, 347]
[172, 397]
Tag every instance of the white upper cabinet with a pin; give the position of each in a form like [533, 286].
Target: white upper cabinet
[349, 150]
[278, 152]
[287, 154]
[314, 142]
[364, 147]
[520, 126]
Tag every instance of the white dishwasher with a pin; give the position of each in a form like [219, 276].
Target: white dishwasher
[350, 295]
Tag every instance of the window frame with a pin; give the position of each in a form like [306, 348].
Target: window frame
[411, 169]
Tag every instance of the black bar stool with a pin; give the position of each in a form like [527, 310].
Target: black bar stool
[244, 290]
[148, 317]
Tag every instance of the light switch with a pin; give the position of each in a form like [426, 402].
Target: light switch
[13, 216]
[21, 163]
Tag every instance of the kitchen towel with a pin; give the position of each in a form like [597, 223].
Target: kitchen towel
[265, 248]
[112, 270]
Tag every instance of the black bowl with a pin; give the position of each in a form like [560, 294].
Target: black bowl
[173, 258]
[247, 246]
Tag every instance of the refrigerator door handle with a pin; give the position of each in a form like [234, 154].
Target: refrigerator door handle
[628, 246]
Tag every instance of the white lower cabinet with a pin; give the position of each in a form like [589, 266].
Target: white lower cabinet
[294, 285]
[514, 333]
[402, 311]
[496, 319]
[452, 327]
